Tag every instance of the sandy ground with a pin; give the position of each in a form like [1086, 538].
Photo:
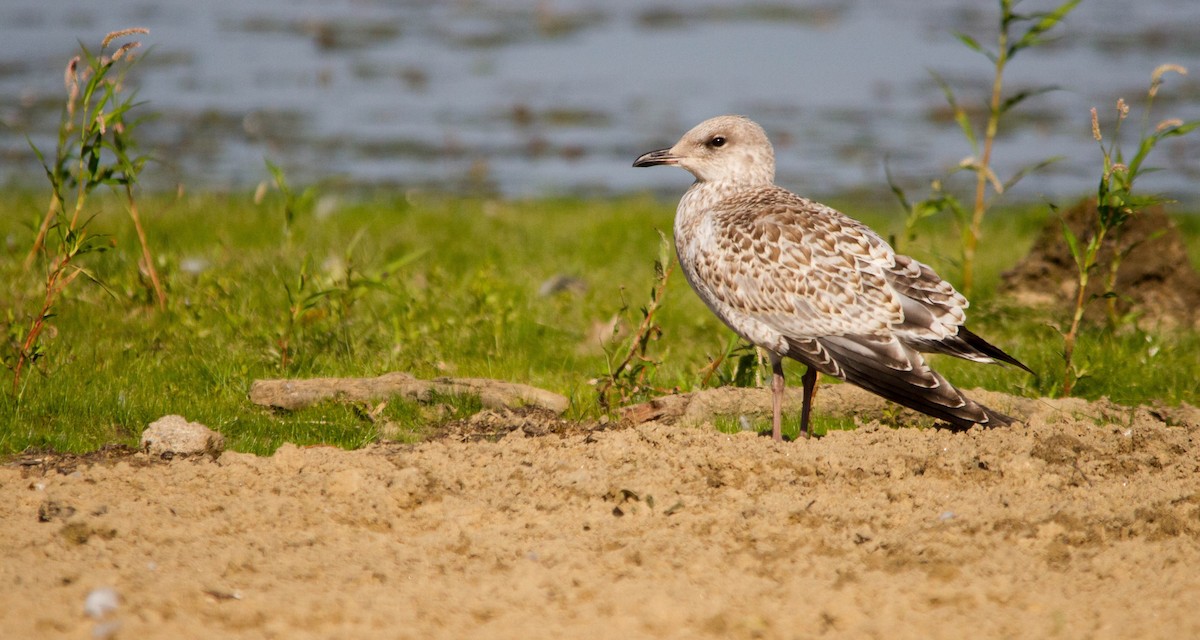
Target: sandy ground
[1082, 523]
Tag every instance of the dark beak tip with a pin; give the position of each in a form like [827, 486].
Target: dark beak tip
[655, 158]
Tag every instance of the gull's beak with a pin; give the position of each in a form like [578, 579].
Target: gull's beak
[662, 156]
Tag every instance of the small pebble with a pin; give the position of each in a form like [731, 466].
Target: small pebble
[100, 602]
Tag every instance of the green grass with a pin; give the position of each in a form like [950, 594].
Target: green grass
[436, 286]
[821, 425]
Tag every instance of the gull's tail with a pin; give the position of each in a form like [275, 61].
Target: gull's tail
[886, 367]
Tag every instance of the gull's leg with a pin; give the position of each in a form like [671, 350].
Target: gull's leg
[777, 385]
[810, 385]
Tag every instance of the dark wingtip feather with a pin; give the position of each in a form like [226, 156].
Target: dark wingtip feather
[909, 388]
[996, 419]
[989, 349]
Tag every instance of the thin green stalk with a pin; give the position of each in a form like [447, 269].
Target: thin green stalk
[1085, 264]
[970, 223]
[160, 295]
[983, 172]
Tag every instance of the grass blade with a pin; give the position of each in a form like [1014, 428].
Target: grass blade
[960, 114]
[974, 45]
[1047, 21]
[1021, 96]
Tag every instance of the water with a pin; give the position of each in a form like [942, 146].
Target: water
[558, 97]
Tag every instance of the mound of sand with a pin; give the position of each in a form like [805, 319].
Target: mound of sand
[1155, 281]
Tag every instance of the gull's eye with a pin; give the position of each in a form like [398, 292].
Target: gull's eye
[717, 141]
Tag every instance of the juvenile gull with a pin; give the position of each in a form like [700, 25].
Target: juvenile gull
[804, 281]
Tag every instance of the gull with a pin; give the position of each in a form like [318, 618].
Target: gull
[804, 281]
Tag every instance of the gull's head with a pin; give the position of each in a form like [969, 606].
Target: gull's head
[726, 149]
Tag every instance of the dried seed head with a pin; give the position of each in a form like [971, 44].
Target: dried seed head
[1167, 124]
[1096, 125]
[1159, 72]
[121, 34]
[1122, 109]
[1109, 171]
[69, 76]
[125, 48]
[72, 98]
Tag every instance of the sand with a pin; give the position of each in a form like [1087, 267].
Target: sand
[1084, 522]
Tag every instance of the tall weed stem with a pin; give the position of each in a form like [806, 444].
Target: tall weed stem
[95, 140]
[1116, 204]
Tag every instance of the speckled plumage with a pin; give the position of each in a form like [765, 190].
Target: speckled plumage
[804, 281]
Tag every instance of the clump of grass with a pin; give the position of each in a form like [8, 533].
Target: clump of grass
[940, 199]
[741, 364]
[632, 376]
[321, 301]
[95, 148]
[1116, 203]
[294, 204]
[821, 424]
[326, 304]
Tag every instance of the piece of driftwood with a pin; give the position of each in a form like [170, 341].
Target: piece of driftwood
[494, 394]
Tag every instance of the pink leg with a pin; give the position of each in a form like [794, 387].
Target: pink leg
[777, 386]
[810, 385]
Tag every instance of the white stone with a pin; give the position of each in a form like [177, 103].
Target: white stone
[175, 435]
[100, 602]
